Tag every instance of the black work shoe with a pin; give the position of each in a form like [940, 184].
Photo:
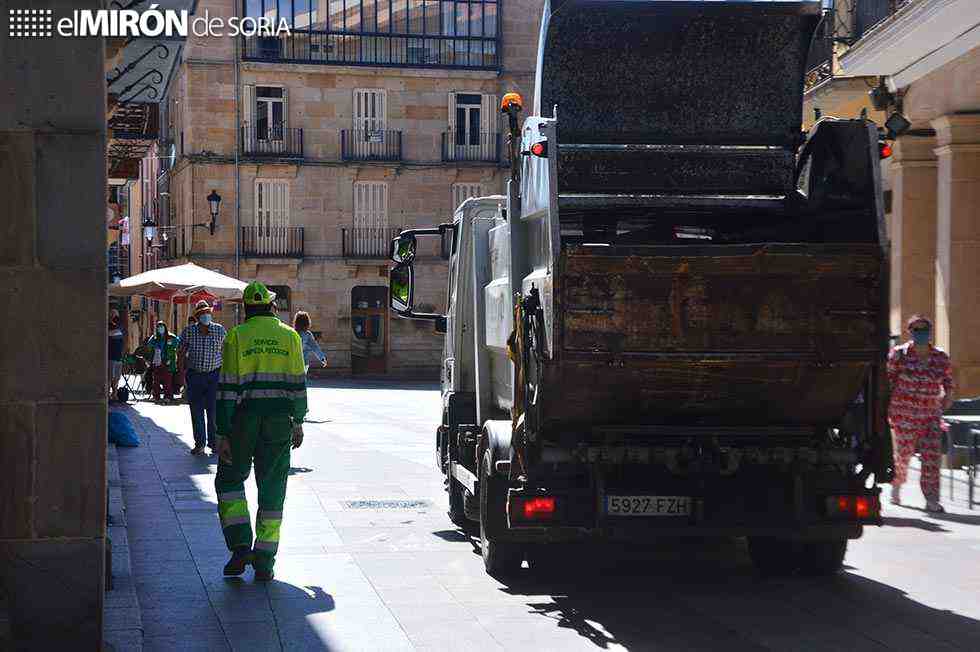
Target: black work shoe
[197, 450]
[236, 565]
[262, 575]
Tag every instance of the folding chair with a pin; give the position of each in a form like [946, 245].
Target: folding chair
[134, 377]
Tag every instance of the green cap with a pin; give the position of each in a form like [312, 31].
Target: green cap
[256, 294]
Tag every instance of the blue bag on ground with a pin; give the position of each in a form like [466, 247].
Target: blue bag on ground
[121, 431]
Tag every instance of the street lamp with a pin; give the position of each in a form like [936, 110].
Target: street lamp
[214, 203]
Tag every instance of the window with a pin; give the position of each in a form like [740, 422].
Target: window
[370, 110]
[271, 216]
[431, 33]
[468, 119]
[370, 232]
[283, 305]
[270, 112]
[472, 127]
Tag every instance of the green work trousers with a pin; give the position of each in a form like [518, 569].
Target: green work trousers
[265, 440]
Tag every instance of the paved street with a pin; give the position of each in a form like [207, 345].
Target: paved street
[357, 575]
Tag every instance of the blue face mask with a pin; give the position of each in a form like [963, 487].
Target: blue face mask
[205, 319]
[921, 336]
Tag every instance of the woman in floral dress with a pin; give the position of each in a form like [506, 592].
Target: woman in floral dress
[921, 382]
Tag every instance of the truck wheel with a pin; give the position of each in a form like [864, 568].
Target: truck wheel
[823, 557]
[501, 559]
[457, 513]
[773, 556]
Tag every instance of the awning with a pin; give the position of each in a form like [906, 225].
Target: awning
[180, 284]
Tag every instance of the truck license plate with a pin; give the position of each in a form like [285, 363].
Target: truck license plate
[648, 505]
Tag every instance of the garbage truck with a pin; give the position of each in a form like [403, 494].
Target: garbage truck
[674, 322]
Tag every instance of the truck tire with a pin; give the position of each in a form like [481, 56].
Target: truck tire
[822, 557]
[773, 556]
[500, 558]
[457, 512]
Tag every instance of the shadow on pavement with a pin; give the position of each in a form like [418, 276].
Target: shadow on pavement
[962, 519]
[374, 383]
[892, 521]
[179, 552]
[706, 595]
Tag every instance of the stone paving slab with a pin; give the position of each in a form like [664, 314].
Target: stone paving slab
[401, 579]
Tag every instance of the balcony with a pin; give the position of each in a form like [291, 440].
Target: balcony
[273, 142]
[474, 147]
[118, 262]
[370, 145]
[273, 241]
[391, 49]
[367, 243]
[174, 242]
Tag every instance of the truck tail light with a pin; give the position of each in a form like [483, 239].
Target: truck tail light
[861, 508]
[539, 507]
[533, 508]
[884, 150]
[540, 149]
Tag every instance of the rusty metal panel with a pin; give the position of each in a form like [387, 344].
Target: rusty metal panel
[728, 334]
[669, 72]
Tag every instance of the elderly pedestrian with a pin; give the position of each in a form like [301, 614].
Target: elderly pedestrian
[311, 350]
[163, 347]
[921, 380]
[201, 345]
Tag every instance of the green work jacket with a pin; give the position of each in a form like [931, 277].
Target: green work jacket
[262, 369]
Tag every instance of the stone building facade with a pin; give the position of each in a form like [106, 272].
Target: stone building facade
[52, 369]
[326, 142]
[929, 57]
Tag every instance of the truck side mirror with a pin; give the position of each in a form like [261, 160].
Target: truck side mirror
[400, 288]
[403, 248]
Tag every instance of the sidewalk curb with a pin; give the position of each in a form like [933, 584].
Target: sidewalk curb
[122, 623]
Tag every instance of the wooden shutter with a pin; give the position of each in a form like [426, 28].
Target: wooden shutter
[451, 138]
[248, 105]
[488, 127]
[463, 191]
[271, 216]
[370, 229]
[285, 111]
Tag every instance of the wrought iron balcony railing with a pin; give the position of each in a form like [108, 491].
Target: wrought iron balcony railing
[370, 145]
[375, 49]
[462, 146]
[173, 242]
[367, 242]
[118, 262]
[273, 241]
[272, 141]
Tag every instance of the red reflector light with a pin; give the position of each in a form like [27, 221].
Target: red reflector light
[885, 150]
[541, 506]
[540, 149]
[861, 508]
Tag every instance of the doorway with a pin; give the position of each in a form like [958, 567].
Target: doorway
[368, 318]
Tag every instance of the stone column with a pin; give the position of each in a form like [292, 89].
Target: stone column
[53, 338]
[913, 229]
[958, 246]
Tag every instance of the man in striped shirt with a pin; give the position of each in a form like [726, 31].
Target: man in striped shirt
[200, 350]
